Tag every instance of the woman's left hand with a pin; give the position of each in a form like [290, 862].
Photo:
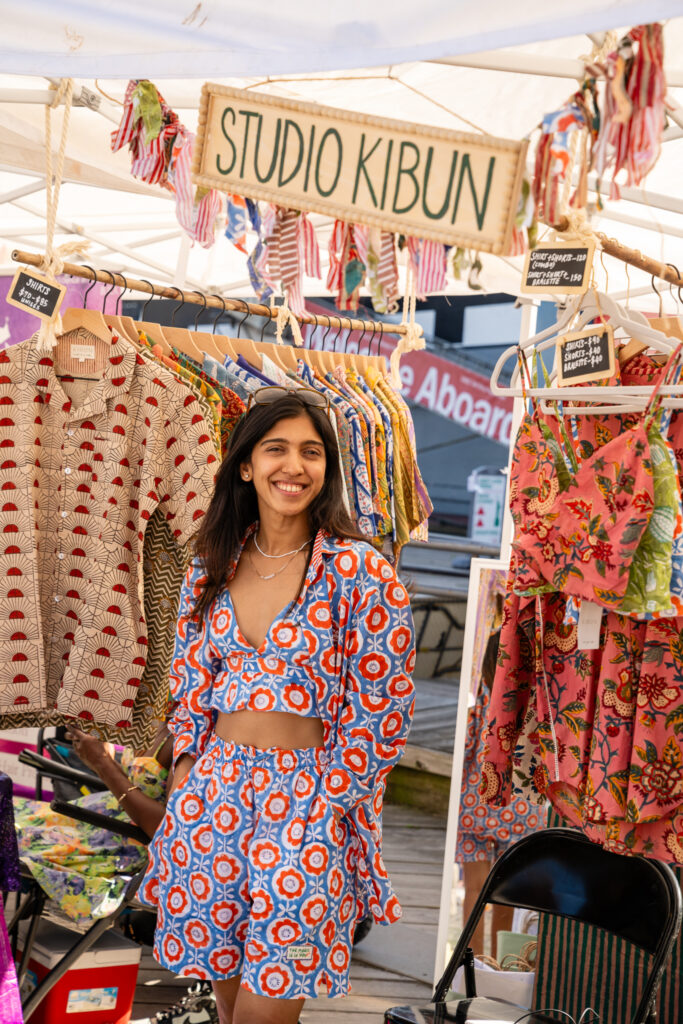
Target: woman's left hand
[90, 749]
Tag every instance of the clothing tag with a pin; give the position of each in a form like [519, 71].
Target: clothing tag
[300, 953]
[590, 620]
[82, 352]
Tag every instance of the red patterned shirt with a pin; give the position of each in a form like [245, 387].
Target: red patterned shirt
[79, 485]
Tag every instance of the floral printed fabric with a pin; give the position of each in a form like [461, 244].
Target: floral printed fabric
[649, 583]
[578, 532]
[607, 747]
[600, 732]
[84, 869]
[249, 866]
[355, 617]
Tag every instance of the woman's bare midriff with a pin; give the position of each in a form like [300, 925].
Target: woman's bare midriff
[265, 729]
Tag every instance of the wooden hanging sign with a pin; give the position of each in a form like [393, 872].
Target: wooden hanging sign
[35, 294]
[558, 269]
[585, 356]
[456, 188]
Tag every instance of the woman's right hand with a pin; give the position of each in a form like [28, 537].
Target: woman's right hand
[182, 768]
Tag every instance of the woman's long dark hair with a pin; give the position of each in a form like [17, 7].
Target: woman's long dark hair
[234, 506]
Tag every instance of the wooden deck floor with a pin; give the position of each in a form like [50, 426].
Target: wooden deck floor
[392, 965]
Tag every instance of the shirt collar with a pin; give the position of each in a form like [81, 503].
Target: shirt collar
[114, 380]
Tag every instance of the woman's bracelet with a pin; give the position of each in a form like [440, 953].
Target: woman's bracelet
[124, 795]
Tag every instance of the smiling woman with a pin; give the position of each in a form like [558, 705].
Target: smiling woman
[292, 671]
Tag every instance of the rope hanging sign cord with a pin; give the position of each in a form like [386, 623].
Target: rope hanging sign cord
[235, 305]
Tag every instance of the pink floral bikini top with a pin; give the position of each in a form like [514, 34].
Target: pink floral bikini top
[577, 527]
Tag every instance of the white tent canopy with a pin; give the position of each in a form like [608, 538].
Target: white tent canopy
[207, 38]
[132, 226]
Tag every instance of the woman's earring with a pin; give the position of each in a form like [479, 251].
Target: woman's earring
[246, 476]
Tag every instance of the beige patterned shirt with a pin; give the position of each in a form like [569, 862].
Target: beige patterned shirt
[80, 477]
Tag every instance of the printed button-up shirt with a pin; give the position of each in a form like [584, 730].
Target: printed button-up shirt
[79, 485]
[355, 617]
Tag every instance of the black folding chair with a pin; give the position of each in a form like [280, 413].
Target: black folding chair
[560, 872]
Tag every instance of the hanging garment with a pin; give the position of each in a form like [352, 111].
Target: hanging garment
[75, 640]
[577, 529]
[365, 518]
[606, 748]
[164, 566]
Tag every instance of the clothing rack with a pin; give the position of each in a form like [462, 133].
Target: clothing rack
[371, 327]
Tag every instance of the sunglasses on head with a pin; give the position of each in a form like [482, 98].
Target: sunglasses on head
[273, 392]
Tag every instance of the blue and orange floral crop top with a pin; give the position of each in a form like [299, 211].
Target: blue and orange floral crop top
[276, 677]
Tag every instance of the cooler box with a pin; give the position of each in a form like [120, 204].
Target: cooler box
[98, 989]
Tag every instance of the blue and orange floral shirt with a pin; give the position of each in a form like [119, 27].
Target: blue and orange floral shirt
[343, 651]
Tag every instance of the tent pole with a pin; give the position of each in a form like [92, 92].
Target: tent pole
[633, 257]
[344, 323]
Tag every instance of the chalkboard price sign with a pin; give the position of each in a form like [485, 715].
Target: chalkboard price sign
[585, 356]
[561, 269]
[35, 294]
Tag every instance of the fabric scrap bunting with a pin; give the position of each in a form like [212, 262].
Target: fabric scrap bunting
[631, 135]
[237, 221]
[290, 251]
[553, 159]
[196, 208]
[161, 150]
[428, 262]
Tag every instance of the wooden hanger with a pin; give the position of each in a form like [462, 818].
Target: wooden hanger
[282, 355]
[207, 341]
[125, 330]
[181, 337]
[225, 347]
[90, 320]
[245, 347]
[203, 340]
[155, 332]
[669, 325]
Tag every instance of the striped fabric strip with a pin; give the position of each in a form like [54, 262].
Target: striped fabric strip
[124, 132]
[428, 260]
[361, 237]
[196, 211]
[291, 249]
[309, 248]
[387, 271]
[335, 250]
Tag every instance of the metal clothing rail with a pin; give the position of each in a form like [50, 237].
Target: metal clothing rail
[209, 301]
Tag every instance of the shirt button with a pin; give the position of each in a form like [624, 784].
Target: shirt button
[64, 515]
[67, 470]
[57, 597]
[61, 555]
[70, 432]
